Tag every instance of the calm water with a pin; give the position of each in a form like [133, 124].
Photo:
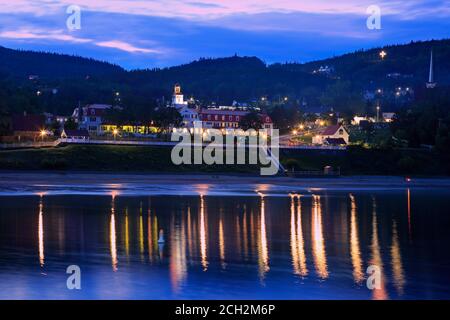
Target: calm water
[314, 246]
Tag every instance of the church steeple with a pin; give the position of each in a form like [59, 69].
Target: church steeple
[178, 97]
[431, 84]
[177, 89]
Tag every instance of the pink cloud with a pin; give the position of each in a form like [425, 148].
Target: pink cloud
[212, 9]
[26, 34]
[59, 35]
[120, 45]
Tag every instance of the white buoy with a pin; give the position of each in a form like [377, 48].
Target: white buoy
[161, 236]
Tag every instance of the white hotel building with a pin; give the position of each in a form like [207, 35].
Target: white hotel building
[217, 118]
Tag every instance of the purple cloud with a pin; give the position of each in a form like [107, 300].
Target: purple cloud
[167, 32]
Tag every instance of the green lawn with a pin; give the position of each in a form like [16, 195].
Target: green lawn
[106, 158]
[361, 161]
[157, 159]
[303, 139]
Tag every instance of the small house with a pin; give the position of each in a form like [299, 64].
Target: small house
[332, 135]
[388, 116]
[75, 134]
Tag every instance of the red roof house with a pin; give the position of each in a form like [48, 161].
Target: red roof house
[332, 135]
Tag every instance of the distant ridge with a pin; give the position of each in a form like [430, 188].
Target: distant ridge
[21, 63]
[221, 80]
[401, 56]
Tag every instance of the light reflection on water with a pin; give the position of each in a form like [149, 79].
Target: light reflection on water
[318, 247]
[355, 250]
[300, 246]
[41, 233]
[376, 259]
[297, 242]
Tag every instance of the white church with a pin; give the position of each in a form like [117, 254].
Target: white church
[189, 115]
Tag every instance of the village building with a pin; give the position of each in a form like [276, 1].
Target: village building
[358, 119]
[91, 117]
[388, 116]
[189, 115]
[221, 119]
[139, 129]
[363, 120]
[229, 119]
[327, 70]
[75, 134]
[332, 135]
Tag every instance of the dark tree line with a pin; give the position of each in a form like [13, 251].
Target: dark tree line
[427, 121]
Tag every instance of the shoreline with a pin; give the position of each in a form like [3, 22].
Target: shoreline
[64, 180]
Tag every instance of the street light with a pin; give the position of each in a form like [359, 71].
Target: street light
[378, 113]
[294, 132]
[115, 133]
[43, 133]
[383, 54]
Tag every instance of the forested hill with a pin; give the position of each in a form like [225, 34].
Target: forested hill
[248, 78]
[408, 60]
[226, 79]
[19, 63]
[340, 82]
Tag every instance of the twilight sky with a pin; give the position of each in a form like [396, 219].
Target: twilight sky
[158, 33]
